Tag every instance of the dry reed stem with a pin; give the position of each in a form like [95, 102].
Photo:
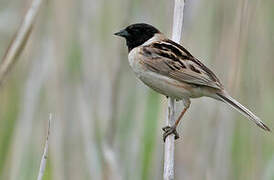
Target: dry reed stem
[169, 143]
[45, 154]
[19, 40]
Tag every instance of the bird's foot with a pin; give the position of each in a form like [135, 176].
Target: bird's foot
[170, 130]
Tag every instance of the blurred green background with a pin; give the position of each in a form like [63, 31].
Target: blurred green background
[106, 123]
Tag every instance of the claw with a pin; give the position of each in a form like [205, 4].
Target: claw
[170, 130]
[165, 128]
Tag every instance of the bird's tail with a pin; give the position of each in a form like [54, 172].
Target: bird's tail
[223, 96]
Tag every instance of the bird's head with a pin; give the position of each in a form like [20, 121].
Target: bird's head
[137, 34]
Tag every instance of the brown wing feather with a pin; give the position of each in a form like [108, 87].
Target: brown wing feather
[170, 59]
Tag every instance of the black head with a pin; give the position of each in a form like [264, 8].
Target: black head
[137, 34]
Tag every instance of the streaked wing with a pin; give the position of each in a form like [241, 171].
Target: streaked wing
[171, 59]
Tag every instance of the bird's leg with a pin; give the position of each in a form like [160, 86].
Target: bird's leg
[172, 129]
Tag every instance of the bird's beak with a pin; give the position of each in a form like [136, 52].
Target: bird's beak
[122, 33]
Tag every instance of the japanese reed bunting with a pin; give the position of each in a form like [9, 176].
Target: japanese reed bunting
[171, 70]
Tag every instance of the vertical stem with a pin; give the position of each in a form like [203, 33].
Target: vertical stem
[169, 144]
[45, 154]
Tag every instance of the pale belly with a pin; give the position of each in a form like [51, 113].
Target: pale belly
[163, 84]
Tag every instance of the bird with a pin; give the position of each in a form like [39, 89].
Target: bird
[171, 70]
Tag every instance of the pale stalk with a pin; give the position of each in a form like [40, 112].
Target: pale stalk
[169, 143]
[45, 154]
[19, 40]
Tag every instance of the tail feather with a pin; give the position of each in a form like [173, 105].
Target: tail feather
[243, 110]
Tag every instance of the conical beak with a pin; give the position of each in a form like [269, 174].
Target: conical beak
[122, 33]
